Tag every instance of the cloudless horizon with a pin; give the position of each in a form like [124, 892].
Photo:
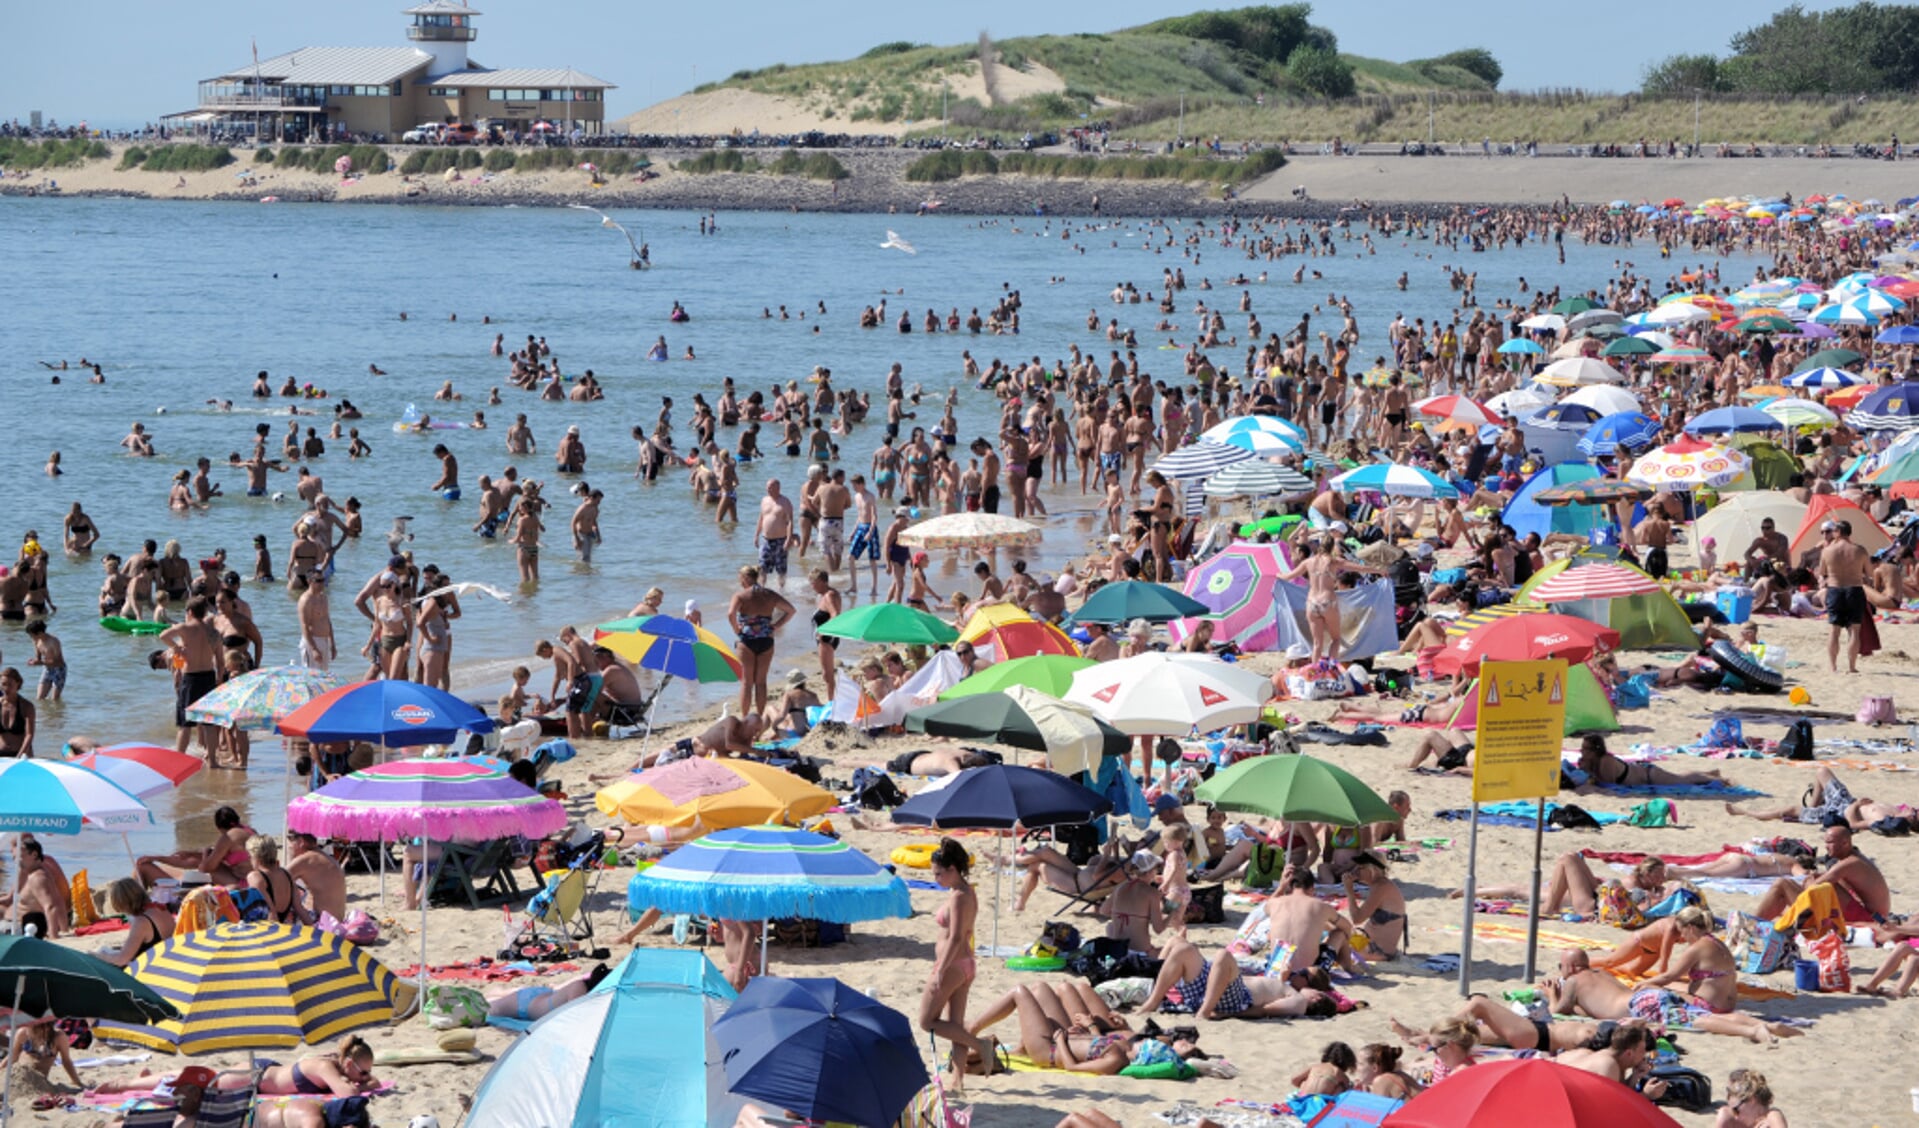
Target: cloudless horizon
[117, 63]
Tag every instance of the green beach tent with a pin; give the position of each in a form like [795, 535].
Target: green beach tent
[1588, 709]
[1644, 622]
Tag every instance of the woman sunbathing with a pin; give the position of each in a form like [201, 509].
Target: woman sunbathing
[1104, 872]
[1574, 886]
[1712, 986]
[1603, 769]
[532, 1002]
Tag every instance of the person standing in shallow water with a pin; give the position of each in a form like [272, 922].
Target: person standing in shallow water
[755, 613]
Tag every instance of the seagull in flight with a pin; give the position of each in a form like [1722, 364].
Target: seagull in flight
[607, 221]
[463, 588]
[894, 242]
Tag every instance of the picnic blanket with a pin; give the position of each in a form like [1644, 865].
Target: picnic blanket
[484, 969]
[1515, 933]
[1633, 857]
[1522, 813]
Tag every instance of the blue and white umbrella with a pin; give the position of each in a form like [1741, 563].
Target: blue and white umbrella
[1823, 378]
[1629, 431]
[1728, 420]
[1202, 459]
[1854, 312]
[52, 797]
[768, 872]
[1892, 408]
[1261, 434]
[1397, 480]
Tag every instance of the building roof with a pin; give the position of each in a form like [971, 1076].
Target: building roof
[441, 8]
[341, 66]
[551, 78]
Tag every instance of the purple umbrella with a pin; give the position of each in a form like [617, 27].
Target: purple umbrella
[1810, 331]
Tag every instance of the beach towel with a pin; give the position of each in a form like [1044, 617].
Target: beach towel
[1632, 857]
[1819, 904]
[203, 909]
[1684, 791]
[1464, 813]
[1357, 1109]
[1516, 934]
[82, 901]
[101, 927]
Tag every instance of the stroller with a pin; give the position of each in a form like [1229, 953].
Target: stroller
[557, 918]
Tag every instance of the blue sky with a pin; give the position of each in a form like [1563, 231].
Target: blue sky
[120, 62]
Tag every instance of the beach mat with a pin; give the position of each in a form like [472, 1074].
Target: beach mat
[425, 1057]
[1516, 933]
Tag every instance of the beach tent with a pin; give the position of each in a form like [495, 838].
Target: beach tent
[1772, 468]
[1733, 524]
[1366, 624]
[1526, 515]
[1866, 532]
[1587, 707]
[1644, 622]
[638, 1049]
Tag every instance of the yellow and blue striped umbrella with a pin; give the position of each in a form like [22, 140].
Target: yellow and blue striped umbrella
[1465, 623]
[259, 986]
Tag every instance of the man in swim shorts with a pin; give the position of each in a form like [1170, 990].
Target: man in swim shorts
[775, 527]
[1844, 568]
[1209, 989]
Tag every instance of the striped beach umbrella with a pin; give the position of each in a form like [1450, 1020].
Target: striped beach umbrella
[769, 872]
[1257, 479]
[389, 712]
[258, 986]
[1823, 377]
[1680, 354]
[672, 646]
[1237, 585]
[1397, 480]
[1594, 581]
[1261, 434]
[1854, 312]
[1457, 409]
[57, 797]
[1485, 615]
[259, 698]
[1891, 408]
[971, 530]
[454, 800]
[144, 770]
[1799, 413]
[1071, 738]
[1202, 459]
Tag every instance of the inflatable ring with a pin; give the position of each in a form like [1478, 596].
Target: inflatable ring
[917, 856]
[1742, 665]
[1035, 963]
[131, 626]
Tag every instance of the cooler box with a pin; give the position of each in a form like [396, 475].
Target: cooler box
[1735, 604]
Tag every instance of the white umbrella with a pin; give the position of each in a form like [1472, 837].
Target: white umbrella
[1676, 313]
[971, 530]
[1167, 694]
[1579, 372]
[1591, 317]
[1604, 399]
[1550, 322]
[1520, 402]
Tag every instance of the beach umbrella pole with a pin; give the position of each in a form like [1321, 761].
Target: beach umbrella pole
[1532, 914]
[1472, 890]
[13, 1025]
[426, 894]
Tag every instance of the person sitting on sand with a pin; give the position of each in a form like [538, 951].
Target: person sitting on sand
[1330, 1076]
[42, 1041]
[1134, 910]
[41, 888]
[1378, 1072]
[1903, 955]
[147, 923]
[526, 1004]
[1381, 917]
[1597, 994]
[226, 861]
[1864, 897]
[1602, 769]
[788, 715]
[319, 874]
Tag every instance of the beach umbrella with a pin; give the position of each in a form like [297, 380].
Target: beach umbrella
[390, 712]
[1823, 378]
[1593, 491]
[1005, 630]
[1681, 354]
[1578, 372]
[890, 622]
[1457, 409]
[1520, 402]
[1629, 346]
[1127, 600]
[1518, 638]
[1898, 335]
[1800, 413]
[821, 1050]
[41, 977]
[259, 698]
[1397, 480]
[638, 1049]
[1261, 434]
[455, 800]
[766, 873]
[143, 770]
[1521, 346]
[1760, 394]
[1726, 420]
[1070, 737]
[59, 797]
[1201, 459]
[1257, 479]
[707, 795]
[1764, 323]
[1164, 694]
[633, 624]
[1629, 431]
[675, 648]
[1237, 585]
[971, 530]
[1734, 522]
[1689, 464]
[1596, 321]
[1382, 377]
[1544, 323]
[1593, 581]
[257, 986]
[1535, 1092]
[1466, 623]
[1677, 313]
[1295, 789]
[1049, 673]
[1846, 313]
[1604, 398]
[1894, 407]
[1568, 414]
[1829, 358]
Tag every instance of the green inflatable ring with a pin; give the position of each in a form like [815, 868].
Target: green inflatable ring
[1035, 963]
[119, 625]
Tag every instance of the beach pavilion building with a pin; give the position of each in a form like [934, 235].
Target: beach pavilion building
[335, 91]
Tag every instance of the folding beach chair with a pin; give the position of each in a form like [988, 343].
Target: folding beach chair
[558, 912]
[479, 875]
[230, 1108]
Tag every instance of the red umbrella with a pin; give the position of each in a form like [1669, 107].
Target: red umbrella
[1459, 409]
[1520, 637]
[1593, 581]
[1534, 1092]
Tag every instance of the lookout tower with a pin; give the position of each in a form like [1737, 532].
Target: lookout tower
[442, 28]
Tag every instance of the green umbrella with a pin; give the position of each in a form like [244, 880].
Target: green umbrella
[39, 977]
[1765, 323]
[1295, 788]
[1048, 673]
[1630, 346]
[1137, 599]
[890, 622]
[1829, 358]
[1073, 739]
[1572, 306]
[1274, 525]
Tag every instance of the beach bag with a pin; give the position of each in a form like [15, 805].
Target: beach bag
[1797, 743]
[1654, 813]
[1208, 905]
[1760, 948]
[932, 1108]
[449, 1006]
[1686, 1087]
[1281, 742]
[1572, 817]
[1635, 692]
[1835, 966]
[875, 790]
[1877, 711]
[1064, 938]
[1078, 842]
[1616, 907]
[1264, 866]
[1676, 900]
[1726, 732]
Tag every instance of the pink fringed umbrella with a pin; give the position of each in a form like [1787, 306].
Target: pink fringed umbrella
[459, 800]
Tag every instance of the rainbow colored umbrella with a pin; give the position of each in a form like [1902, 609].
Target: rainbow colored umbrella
[143, 770]
[674, 647]
[1237, 588]
[258, 986]
[260, 698]
[1009, 632]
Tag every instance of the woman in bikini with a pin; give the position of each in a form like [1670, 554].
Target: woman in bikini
[526, 1004]
[271, 880]
[394, 623]
[1381, 917]
[1134, 910]
[346, 1072]
[1603, 769]
[16, 717]
[1322, 570]
[943, 1004]
[755, 613]
[226, 861]
[147, 923]
[1712, 986]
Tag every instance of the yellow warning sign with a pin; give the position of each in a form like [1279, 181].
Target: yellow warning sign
[1521, 725]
